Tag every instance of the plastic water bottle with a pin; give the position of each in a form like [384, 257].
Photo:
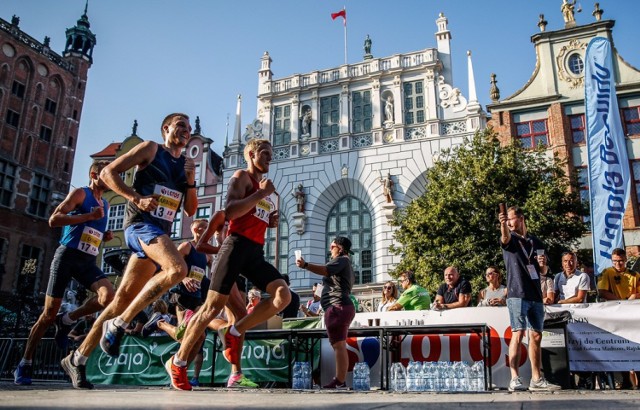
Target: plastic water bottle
[419, 378]
[297, 376]
[411, 376]
[366, 377]
[306, 375]
[478, 372]
[447, 378]
[465, 376]
[357, 376]
[401, 378]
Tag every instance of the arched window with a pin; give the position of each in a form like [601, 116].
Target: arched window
[283, 245]
[351, 218]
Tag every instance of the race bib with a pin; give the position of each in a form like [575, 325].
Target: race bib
[532, 272]
[196, 273]
[264, 208]
[168, 203]
[90, 240]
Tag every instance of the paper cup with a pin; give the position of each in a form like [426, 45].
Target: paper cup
[298, 253]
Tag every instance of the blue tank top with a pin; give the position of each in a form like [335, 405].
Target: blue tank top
[164, 176]
[197, 269]
[86, 236]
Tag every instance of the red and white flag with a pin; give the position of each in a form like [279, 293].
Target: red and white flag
[342, 13]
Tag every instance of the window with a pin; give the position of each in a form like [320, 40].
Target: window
[50, 106]
[39, 199]
[176, 227]
[106, 268]
[116, 217]
[329, 116]
[282, 125]
[583, 184]
[413, 102]
[361, 111]
[631, 119]
[576, 65]
[17, 89]
[578, 128]
[13, 118]
[45, 133]
[29, 264]
[7, 181]
[203, 212]
[532, 133]
[196, 179]
[283, 246]
[351, 218]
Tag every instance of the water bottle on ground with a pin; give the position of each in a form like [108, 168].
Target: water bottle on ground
[401, 378]
[411, 376]
[306, 375]
[297, 376]
[357, 376]
[478, 372]
[419, 379]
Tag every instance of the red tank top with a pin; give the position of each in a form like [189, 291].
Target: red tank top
[254, 223]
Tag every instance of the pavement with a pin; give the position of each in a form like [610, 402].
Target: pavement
[62, 395]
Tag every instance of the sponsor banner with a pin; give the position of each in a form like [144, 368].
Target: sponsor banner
[609, 174]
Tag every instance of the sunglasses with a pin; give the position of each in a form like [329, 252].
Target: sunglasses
[387, 287]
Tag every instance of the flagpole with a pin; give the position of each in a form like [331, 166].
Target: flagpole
[345, 34]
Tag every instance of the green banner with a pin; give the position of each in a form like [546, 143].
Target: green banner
[141, 362]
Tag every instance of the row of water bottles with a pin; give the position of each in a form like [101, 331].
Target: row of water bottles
[437, 376]
[361, 377]
[302, 376]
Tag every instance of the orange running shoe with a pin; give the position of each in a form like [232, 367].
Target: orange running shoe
[178, 375]
[231, 345]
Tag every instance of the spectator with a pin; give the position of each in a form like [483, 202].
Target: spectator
[414, 297]
[313, 306]
[254, 297]
[80, 330]
[136, 325]
[337, 283]
[454, 293]
[571, 285]
[495, 294]
[160, 312]
[546, 280]
[389, 296]
[524, 297]
[291, 311]
[618, 282]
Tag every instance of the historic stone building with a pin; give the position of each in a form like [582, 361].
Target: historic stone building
[549, 108]
[351, 145]
[41, 99]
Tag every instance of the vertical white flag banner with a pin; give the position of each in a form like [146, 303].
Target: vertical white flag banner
[609, 175]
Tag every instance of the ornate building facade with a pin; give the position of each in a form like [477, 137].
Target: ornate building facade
[549, 109]
[41, 99]
[351, 145]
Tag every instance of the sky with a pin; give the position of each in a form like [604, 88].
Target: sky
[154, 57]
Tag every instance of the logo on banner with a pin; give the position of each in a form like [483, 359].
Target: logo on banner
[365, 349]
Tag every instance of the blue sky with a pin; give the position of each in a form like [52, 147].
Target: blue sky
[195, 56]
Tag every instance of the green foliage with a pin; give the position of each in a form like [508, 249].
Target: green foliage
[455, 222]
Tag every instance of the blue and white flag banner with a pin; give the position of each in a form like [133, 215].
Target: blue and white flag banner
[609, 175]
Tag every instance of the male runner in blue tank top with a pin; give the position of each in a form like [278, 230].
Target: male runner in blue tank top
[164, 180]
[83, 216]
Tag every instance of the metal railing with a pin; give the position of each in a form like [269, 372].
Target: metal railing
[46, 361]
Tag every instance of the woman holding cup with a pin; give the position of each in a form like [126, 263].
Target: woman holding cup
[337, 283]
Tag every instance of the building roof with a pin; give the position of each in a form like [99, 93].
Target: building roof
[109, 151]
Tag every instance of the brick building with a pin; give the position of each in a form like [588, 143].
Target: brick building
[549, 108]
[41, 99]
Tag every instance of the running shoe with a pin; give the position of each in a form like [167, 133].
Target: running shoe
[111, 337]
[77, 374]
[177, 375]
[516, 385]
[22, 375]
[238, 380]
[194, 382]
[230, 345]
[62, 332]
[336, 385]
[152, 325]
[183, 326]
[543, 385]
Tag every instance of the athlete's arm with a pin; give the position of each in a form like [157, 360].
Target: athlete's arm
[238, 202]
[75, 198]
[190, 204]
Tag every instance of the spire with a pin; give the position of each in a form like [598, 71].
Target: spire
[226, 135]
[472, 82]
[197, 130]
[80, 39]
[443, 38]
[238, 133]
[494, 91]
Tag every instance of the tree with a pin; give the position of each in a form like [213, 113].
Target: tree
[455, 222]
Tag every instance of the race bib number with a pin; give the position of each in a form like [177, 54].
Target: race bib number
[90, 240]
[168, 203]
[196, 273]
[264, 208]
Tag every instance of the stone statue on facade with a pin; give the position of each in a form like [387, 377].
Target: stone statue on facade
[567, 9]
[367, 48]
[387, 187]
[134, 129]
[306, 122]
[388, 109]
[300, 197]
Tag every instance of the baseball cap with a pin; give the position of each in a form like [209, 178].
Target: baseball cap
[344, 242]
